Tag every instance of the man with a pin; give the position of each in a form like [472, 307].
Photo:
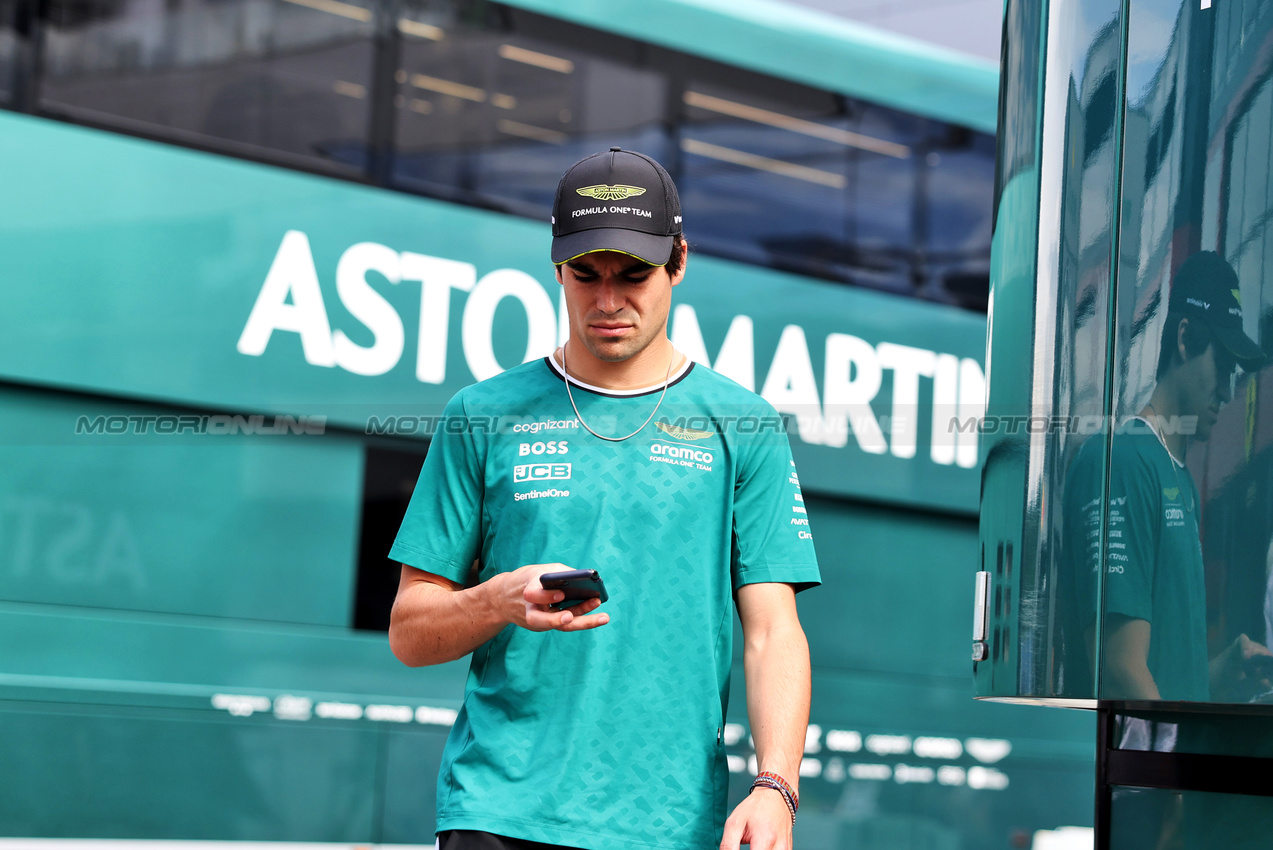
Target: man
[1155, 629]
[603, 729]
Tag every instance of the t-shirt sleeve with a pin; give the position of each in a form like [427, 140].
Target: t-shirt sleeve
[772, 539]
[1130, 534]
[442, 530]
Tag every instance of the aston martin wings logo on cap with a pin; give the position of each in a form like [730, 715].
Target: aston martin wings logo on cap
[679, 433]
[610, 193]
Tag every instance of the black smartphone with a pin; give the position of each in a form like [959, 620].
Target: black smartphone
[1260, 666]
[578, 585]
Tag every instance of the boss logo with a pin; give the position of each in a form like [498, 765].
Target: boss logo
[541, 472]
[550, 447]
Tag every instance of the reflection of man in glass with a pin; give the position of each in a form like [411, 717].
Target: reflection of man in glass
[1155, 632]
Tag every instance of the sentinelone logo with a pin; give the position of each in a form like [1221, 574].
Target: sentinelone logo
[841, 408]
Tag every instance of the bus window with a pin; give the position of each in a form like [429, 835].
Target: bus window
[492, 109]
[784, 175]
[960, 175]
[287, 76]
[8, 48]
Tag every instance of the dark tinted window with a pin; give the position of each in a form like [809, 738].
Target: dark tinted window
[389, 477]
[765, 170]
[957, 220]
[290, 76]
[9, 10]
[482, 104]
[492, 108]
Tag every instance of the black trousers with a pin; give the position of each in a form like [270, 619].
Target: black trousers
[465, 839]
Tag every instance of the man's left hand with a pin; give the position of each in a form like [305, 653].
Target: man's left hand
[1242, 671]
[761, 820]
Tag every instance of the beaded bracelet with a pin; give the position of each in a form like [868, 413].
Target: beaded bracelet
[772, 780]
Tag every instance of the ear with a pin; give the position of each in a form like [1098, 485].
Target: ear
[1181, 351]
[557, 272]
[685, 261]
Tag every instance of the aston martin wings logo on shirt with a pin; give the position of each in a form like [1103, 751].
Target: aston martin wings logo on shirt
[610, 193]
[679, 433]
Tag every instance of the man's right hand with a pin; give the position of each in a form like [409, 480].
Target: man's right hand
[435, 620]
[524, 602]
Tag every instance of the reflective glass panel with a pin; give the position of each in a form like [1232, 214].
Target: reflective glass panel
[1052, 295]
[1008, 392]
[1150, 819]
[269, 77]
[1186, 584]
[1203, 733]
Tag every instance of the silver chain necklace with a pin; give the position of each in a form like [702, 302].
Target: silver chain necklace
[666, 381]
[1172, 458]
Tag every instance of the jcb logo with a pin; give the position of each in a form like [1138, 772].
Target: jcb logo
[541, 472]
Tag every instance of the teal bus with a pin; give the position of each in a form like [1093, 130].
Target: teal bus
[251, 247]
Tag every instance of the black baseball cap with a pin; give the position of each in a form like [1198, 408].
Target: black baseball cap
[616, 200]
[1207, 287]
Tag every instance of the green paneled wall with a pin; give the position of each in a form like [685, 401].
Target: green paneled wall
[251, 528]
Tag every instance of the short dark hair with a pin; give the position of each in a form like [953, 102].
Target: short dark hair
[1197, 337]
[676, 262]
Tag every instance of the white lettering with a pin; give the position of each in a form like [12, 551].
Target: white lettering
[682, 452]
[437, 278]
[908, 364]
[479, 318]
[972, 405]
[736, 359]
[369, 307]
[853, 377]
[791, 388]
[551, 447]
[945, 409]
[292, 273]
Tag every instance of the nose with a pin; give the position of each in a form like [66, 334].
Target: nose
[609, 296]
[1225, 390]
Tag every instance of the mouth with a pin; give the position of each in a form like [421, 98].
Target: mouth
[610, 331]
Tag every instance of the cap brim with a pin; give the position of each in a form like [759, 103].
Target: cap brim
[1249, 355]
[647, 247]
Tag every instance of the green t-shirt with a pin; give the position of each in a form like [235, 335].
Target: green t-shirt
[609, 737]
[1153, 554]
